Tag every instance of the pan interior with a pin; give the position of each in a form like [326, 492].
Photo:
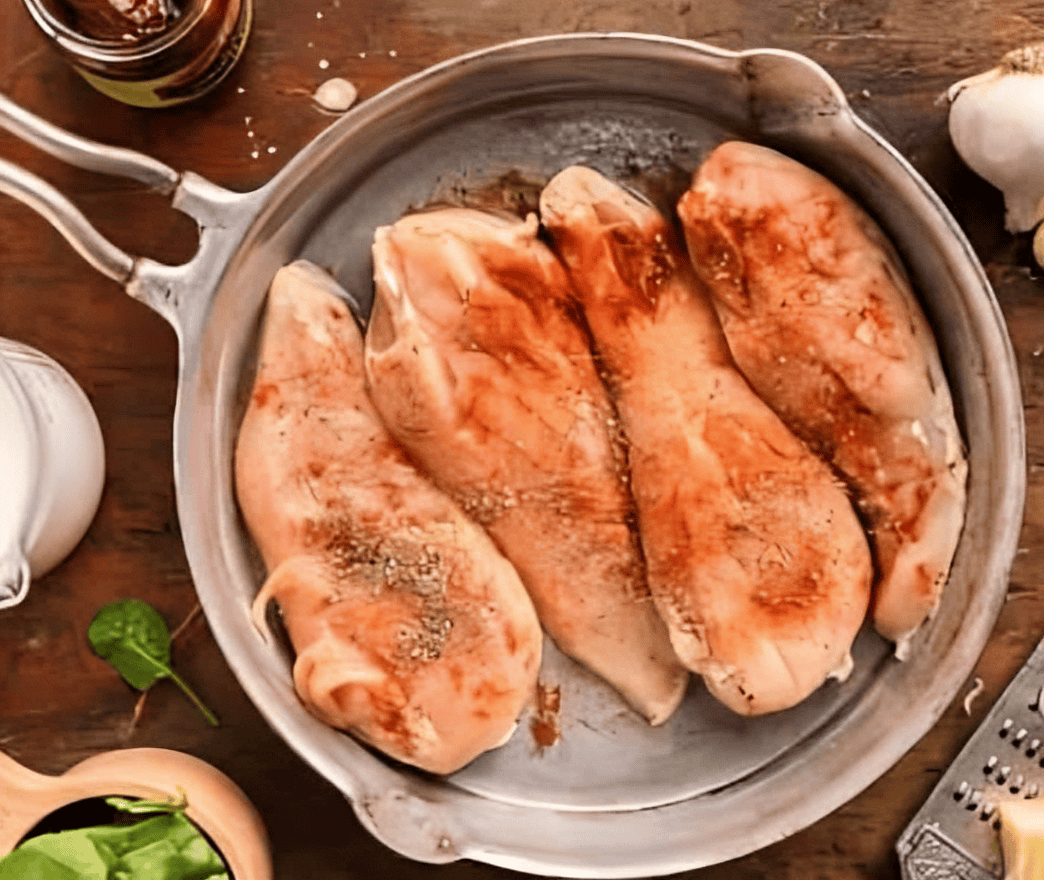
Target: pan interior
[647, 126]
[607, 757]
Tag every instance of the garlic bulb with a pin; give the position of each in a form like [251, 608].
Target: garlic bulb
[997, 127]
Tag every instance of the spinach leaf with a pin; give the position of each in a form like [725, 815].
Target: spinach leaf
[75, 858]
[134, 639]
[167, 847]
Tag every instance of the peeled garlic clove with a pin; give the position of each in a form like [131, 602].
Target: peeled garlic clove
[336, 95]
[997, 126]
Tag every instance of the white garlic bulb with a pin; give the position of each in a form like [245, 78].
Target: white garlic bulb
[997, 126]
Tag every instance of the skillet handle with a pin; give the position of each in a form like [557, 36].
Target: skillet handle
[85, 153]
[67, 219]
[220, 213]
[53, 206]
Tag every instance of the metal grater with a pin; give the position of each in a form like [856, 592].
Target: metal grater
[954, 835]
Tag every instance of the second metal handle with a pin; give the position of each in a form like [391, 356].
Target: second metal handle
[91, 156]
[68, 220]
[217, 211]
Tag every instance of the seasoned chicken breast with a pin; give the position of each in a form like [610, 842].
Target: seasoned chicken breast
[411, 630]
[756, 559]
[821, 319]
[480, 371]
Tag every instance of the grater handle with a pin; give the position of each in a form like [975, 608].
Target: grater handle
[931, 855]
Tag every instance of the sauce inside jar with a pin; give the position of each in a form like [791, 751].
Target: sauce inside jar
[109, 20]
[150, 53]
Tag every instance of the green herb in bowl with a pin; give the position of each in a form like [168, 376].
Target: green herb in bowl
[166, 846]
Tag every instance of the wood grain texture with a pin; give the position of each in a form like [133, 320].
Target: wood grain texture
[59, 704]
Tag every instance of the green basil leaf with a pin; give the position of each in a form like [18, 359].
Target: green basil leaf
[25, 864]
[115, 841]
[71, 851]
[157, 861]
[132, 636]
[134, 639]
[166, 847]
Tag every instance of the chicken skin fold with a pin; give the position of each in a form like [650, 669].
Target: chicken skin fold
[411, 630]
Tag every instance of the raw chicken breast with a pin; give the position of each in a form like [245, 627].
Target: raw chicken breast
[756, 558]
[479, 370]
[821, 320]
[411, 630]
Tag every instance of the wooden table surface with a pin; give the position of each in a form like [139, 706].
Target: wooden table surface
[60, 704]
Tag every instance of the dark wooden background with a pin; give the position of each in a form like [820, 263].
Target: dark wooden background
[59, 704]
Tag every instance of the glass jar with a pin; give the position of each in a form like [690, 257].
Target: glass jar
[149, 53]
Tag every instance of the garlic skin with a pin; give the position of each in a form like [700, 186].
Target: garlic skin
[997, 126]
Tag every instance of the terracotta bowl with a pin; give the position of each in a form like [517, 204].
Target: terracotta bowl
[215, 803]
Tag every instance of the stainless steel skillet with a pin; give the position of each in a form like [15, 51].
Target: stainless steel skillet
[614, 797]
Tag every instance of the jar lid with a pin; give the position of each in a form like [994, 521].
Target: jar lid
[19, 466]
